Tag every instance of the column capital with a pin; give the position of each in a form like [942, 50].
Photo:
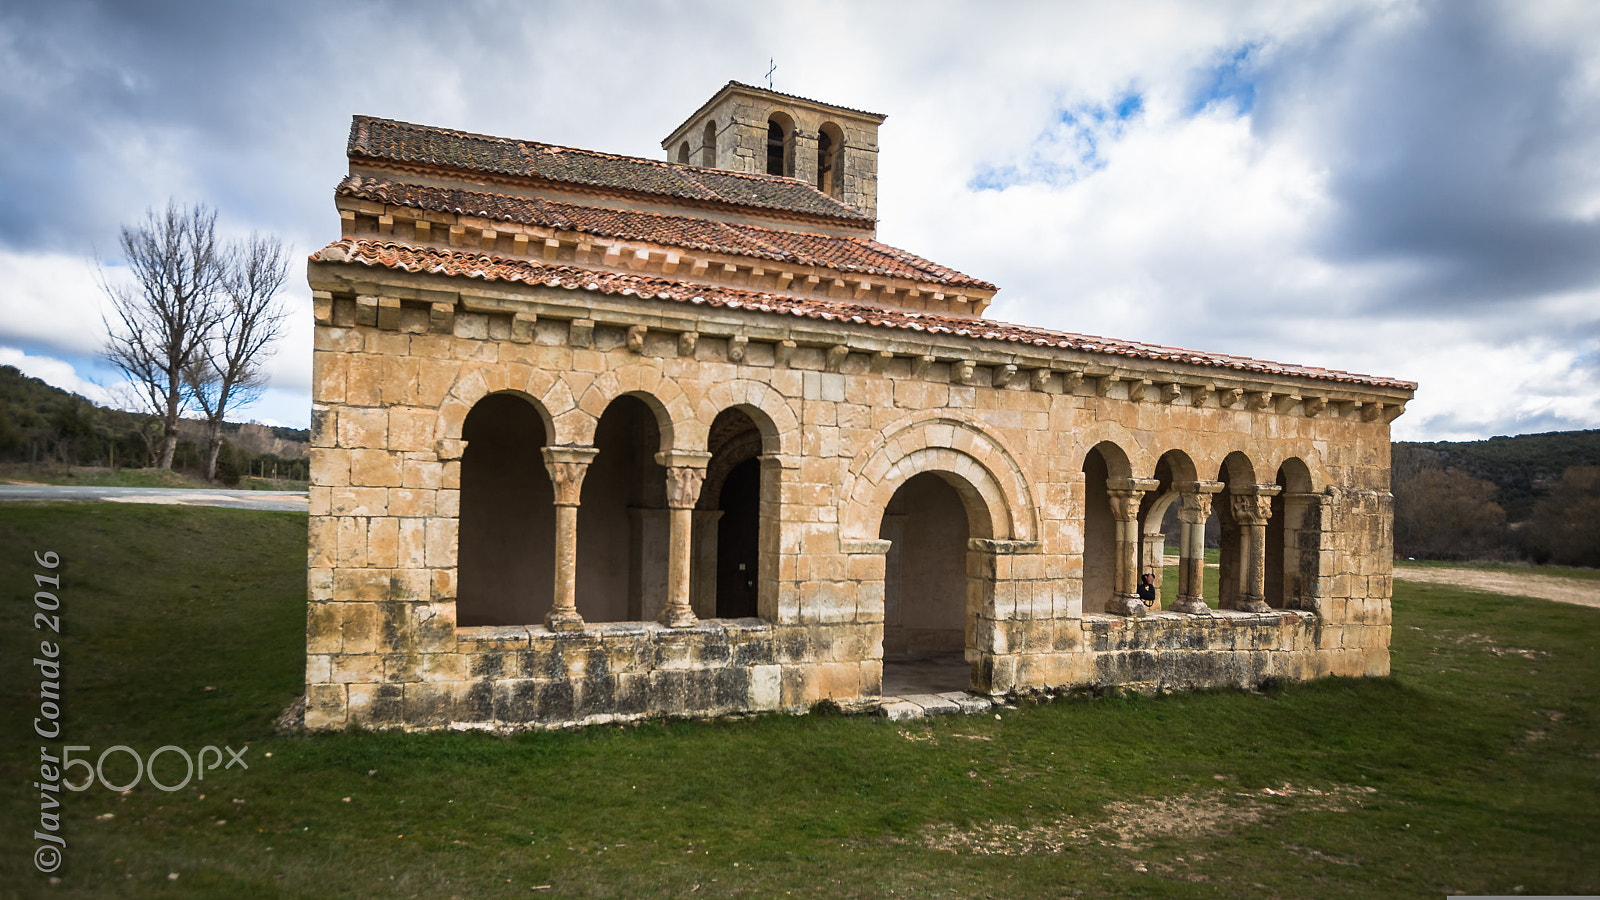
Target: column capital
[567, 466]
[679, 459]
[1251, 509]
[683, 486]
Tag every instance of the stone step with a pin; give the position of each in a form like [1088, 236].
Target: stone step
[917, 706]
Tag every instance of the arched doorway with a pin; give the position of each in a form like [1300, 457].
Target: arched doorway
[926, 622]
[506, 536]
[730, 521]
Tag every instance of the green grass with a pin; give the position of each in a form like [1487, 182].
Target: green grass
[1480, 755]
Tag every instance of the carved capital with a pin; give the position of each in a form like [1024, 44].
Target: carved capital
[567, 466]
[1255, 506]
[686, 471]
[1125, 504]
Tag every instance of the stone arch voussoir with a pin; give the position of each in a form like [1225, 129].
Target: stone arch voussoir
[952, 446]
[775, 412]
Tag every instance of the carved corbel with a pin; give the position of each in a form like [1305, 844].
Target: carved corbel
[736, 347]
[837, 354]
[1286, 402]
[522, 326]
[636, 335]
[613, 255]
[880, 361]
[1070, 380]
[1171, 391]
[1137, 388]
[1260, 400]
[783, 352]
[1003, 375]
[1231, 397]
[1038, 379]
[1102, 385]
[1314, 406]
[687, 341]
[1390, 413]
[920, 366]
[1370, 412]
[669, 264]
[552, 248]
[1201, 393]
[961, 372]
[580, 333]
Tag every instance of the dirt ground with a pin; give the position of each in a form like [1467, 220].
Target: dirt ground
[1517, 584]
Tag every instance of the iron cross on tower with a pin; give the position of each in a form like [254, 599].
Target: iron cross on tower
[773, 67]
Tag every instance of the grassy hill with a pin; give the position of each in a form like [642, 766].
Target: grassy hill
[44, 425]
[1524, 468]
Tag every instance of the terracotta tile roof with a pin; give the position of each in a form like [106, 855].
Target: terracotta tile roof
[424, 260]
[388, 140]
[846, 254]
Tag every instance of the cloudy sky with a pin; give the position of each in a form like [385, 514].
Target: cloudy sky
[1394, 188]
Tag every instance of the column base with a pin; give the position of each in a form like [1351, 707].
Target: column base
[1189, 605]
[1129, 606]
[1254, 606]
[563, 621]
[678, 617]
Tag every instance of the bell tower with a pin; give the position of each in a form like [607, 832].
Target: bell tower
[755, 130]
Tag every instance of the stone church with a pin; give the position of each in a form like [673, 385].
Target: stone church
[600, 438]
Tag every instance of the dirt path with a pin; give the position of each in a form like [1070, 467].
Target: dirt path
[1517, 584]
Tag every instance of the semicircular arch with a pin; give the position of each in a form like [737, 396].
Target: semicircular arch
[1000, 502]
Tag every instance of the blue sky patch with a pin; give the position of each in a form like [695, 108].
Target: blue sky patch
[1067, 151]
[1230, 80]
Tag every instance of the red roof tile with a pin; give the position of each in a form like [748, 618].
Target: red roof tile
[846, 254]
[388, 140]
[422, 260]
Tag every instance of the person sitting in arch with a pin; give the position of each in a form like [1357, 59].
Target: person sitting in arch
[1147, 589]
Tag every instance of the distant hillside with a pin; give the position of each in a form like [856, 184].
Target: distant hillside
[40, 423]
[1523, 468]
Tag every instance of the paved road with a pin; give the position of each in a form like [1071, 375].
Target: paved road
[281, 500]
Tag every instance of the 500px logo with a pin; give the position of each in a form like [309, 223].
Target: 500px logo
[145, 767]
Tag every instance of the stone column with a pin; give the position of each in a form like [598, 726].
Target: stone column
[567, 467]
[686, 471]
[1192, 515]
[1252, 511]
[1126, 494]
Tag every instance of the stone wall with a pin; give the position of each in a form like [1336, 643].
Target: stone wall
[847, 414]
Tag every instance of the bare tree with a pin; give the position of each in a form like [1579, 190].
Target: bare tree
[227, 374]
[167, 315]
